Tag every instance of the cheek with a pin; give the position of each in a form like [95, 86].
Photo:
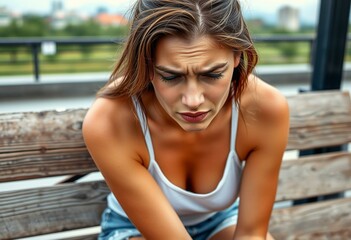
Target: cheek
[165, 94]
[221, 91]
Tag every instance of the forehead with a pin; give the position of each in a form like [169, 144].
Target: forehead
[199, 50]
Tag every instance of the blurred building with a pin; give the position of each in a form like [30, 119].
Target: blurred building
[59, 18]
[7, 16]
[106, 19]
[289, 18]
[57, 6]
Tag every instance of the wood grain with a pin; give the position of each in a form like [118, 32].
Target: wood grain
[51, 209]
[323, 220]
[319, 119]
[41, 130]
[43, 144]
[315, 175]
[50, 143]
[37, 164]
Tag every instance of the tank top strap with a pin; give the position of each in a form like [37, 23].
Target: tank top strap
[234, 125]
[146, 131]
[144, 127]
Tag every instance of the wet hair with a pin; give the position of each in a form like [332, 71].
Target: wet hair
[153, 19]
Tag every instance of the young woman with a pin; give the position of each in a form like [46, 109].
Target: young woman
[183, 129]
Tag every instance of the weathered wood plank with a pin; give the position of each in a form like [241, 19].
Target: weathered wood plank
[314, 175]
[319, 119]
[41, 130]
[51, 209]
[37, 164]
[50, 143]
[324, 106]
[30, 137]
[319, 136]
[323, 220]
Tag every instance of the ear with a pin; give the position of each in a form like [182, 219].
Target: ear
[237, 56]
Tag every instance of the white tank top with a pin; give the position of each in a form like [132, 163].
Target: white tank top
[193, 208]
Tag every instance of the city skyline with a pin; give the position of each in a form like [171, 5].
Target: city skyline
[251, 8]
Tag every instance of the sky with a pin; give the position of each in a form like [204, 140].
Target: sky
[309, 9]
[266, 9]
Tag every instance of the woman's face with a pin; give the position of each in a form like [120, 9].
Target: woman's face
[192, 79]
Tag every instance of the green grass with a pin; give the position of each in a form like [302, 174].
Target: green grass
[72, 59]
[274, 53]
[66, 60]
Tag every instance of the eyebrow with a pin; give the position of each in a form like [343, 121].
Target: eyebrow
[175, 72]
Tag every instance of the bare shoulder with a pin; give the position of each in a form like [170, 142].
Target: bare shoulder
[265, 114]
[107, 115]
[109, 125]
[263, 103]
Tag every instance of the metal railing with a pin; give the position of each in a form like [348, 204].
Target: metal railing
[36, 45]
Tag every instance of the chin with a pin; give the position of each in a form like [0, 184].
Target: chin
[194, 130]
[194, 127]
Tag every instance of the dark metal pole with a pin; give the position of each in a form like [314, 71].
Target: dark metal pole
[329, 51]
[330, 44]
[35, 53]
[328, 60]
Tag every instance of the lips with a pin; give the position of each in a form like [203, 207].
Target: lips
[193, 117]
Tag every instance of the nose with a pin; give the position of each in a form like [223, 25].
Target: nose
[193, 96]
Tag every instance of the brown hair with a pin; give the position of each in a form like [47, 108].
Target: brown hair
[154, 19]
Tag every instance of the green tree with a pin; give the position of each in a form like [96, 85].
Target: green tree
[116, 31]
[33, 26]
[88, 28]
[288, 50]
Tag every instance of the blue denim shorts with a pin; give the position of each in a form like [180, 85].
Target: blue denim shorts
[117, 227]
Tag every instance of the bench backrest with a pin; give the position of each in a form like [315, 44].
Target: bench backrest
[45, 144]
[39, 145]
[320, 119]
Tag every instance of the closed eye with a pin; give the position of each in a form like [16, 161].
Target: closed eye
[169, 78]
[214, 75]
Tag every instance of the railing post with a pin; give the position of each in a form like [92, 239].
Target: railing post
[327, 62]
[330, 44]
[35, 54]
[312, 51]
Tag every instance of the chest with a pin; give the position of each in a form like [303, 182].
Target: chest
[193, 162]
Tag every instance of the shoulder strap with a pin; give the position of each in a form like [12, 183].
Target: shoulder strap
[144, 127]
[234, 125]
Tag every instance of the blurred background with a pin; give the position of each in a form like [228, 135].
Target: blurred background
[63, 51]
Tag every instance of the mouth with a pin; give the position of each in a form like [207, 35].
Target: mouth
[194, 117]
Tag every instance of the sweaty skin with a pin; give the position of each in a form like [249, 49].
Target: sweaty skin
[192, 77]
[187, 110]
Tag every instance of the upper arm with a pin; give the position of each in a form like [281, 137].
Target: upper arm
[260, 175]
[113, 148]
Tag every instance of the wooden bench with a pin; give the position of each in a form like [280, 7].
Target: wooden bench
[44, 144]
